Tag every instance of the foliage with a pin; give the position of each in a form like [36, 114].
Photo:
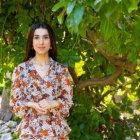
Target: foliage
[91, 122]
[98, 37]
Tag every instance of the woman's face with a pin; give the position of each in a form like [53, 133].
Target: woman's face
[41, 41]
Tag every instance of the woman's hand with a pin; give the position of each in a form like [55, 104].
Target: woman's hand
[48, 104]
[36, 106]
[45, 104]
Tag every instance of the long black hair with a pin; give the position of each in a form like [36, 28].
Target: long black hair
[30, 52]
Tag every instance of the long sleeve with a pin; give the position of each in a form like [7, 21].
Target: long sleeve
[66, 94]
[17, 96]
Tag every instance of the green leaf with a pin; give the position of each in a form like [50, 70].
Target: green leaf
[124, 100]
[107, 1]
[82, 126]
[61, 16]
[110, 69]
[12, 9]
[129, 103]
[90, 3]
[1, 78]
[79, 1]
[112, 7]
[70, 57]
[122, 79]
[127, 4]
[97, 5]
[32, 13]
[109, 110]
[82, 29]
[60, 4]
[106, 28]
[20, 1]
[115, 113]
[95, 20]
[138, 107]
[118, 1]
[2, 18]
[82, 32]
[20, 28]
[78, 14]
[70, 7]
[123, 107]
[75, 18]
[23, 29]
[132, 56]
[130, 110]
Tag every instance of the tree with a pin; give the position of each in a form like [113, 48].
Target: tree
[99, 41]
[5, 112]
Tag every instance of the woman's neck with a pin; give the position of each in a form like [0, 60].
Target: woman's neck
[41, 59]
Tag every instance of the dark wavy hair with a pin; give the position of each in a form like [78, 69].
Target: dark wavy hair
[31, 52]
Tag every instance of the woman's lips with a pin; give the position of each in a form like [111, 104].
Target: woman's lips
[41, 48]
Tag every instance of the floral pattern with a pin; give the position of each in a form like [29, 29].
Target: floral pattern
[27, 85]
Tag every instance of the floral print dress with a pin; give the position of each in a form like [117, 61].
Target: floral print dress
[28, 86]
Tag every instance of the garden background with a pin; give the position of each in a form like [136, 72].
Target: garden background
[99, 40]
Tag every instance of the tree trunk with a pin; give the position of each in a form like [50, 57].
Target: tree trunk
[5, 110]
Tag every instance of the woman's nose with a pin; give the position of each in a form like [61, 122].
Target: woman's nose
[41, 41]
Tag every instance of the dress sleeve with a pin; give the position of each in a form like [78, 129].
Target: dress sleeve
[17, 95]
[66, 94]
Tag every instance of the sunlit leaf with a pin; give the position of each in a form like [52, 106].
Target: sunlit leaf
[58, 5]
[61, 16]
[70, 7]
[75, 18]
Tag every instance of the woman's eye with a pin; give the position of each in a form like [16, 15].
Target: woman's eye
[46, 37]
[36, 37]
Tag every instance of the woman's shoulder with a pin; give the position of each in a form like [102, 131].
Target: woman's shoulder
[18, 69]
[20, 65]
[61, 68]
[60, 65]
[24, 64]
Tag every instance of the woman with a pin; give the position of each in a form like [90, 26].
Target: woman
[41, 91]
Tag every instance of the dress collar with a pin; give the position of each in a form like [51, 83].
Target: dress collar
[31, 63]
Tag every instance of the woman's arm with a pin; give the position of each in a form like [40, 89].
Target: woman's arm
[37, 107]
[18, 102]
[64, 101]
[17, 96]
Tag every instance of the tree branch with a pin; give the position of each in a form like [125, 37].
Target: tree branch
[73, 74]
[115, 60]
[120, 62]
[105, 94]
[101, 82]
[114, 89]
